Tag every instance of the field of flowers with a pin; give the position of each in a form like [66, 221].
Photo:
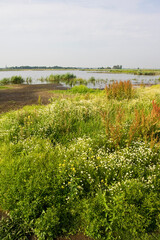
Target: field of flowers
[85, 163]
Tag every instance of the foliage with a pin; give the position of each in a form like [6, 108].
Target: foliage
[17, 80]
[28, 80]
[120, 90]
[81, 89]
[5, 81]
[12, 80]
[14, 229]
[57, 78]
[138, 71]
[71, 166]
[140, 126]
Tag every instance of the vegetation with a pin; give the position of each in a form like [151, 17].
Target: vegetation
[5, 81]
[15, 80]
[35, 68]
[150, 72]
[3, 87]
[117, 67]
[68, 79]
[89, 164]
[12, 80]
[82, 89]
[120, 90]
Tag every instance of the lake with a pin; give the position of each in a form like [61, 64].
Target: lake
[101, 78]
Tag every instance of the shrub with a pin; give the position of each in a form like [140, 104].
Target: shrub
[17, 80]
[12, 80]
[68, 76]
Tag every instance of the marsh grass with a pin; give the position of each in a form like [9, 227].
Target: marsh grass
[120, 90]
[71, 80]
[149, 72]
[69, 167]
[12, 80]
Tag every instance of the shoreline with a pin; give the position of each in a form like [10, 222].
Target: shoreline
[15, 97]
[18, 96]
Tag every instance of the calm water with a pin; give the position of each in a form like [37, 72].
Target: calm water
[102, 78]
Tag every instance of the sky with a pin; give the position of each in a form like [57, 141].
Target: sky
[80, 33]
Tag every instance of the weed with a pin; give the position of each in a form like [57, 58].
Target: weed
[120, 90]
[17, 80]
[12, 80]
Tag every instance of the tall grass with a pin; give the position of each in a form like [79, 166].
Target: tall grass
[120, 90]
[12, 80]
[143, 126]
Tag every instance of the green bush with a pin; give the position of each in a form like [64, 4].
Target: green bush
[17, 80]
[12, 80]
[5, 81]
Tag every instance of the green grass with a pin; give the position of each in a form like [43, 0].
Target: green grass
[149, 72]
[3, 87]
[12, 80]
[63, 172]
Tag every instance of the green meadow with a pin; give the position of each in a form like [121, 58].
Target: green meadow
[88, 162]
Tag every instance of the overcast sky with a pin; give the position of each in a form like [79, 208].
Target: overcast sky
[80, 33]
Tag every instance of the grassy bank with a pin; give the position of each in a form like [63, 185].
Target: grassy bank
[149, 72]
[88, 162]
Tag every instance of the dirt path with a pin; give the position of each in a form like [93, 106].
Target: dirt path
[21, 95]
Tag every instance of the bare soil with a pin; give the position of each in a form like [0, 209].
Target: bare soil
[18, 96]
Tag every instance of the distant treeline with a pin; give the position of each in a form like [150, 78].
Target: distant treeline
[56, 67]
[36, 67]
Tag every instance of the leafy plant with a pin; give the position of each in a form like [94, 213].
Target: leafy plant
[17, 80]
[120, 90]
[80, 89]
[5, 81]
[12, 80]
